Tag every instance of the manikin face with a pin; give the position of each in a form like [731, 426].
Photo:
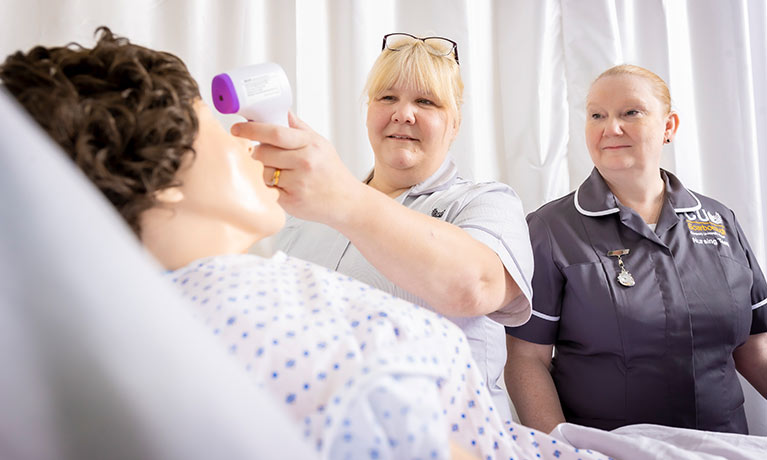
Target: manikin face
[626, 125]
[223, 182]
[410, 132]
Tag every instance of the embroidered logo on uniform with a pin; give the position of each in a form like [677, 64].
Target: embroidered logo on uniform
[715, 218]
[706, 227]
[437, 213]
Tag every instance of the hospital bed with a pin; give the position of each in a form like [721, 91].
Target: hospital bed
[102, 360]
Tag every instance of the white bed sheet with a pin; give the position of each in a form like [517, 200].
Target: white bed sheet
[646, 442]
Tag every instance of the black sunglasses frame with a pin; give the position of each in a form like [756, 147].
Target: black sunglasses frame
[453, 50]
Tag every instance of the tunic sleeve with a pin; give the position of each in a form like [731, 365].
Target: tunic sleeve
[495, 218]
[285, 239]
[548, 286]
[758, 287]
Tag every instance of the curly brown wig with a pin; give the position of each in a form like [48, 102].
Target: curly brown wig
[124, 113]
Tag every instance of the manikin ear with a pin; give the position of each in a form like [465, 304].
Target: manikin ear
[169, 195]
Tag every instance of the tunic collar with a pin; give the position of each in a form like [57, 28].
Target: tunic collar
[593, 198]
[442, 179]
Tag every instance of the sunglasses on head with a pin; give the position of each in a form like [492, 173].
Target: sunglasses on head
[438, 46]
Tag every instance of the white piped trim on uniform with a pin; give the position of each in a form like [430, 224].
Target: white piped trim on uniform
[592, 213]
[692, 209]
[753, 307]
[551, 318]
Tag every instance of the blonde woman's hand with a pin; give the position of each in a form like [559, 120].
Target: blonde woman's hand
[314, 183]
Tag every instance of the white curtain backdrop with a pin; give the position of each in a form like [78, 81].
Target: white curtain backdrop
[526, 66]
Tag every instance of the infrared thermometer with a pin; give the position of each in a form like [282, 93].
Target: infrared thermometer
[259, 92]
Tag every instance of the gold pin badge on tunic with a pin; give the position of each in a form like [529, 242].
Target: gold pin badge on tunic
[624, 277]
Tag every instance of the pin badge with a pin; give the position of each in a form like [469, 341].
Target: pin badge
[624, 277]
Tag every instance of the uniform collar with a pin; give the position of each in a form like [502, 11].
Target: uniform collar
[593, 198]
[442, 179]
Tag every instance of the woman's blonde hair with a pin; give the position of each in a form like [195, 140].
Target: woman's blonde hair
[661, 89]
[415, 67]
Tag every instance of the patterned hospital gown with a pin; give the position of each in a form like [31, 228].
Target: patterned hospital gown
[364, 374]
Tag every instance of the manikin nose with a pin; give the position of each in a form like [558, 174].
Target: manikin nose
[246, 144]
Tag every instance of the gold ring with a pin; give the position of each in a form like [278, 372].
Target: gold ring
[276, 177]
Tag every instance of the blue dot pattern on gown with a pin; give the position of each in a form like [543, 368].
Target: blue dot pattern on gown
[364, 374]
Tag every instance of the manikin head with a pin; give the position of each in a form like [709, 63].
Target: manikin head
[132, 119]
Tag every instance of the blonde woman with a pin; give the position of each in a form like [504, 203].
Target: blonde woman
[414, 227]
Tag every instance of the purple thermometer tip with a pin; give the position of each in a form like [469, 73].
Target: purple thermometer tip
[224, 94]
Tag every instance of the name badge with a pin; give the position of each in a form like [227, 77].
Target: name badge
[624, 277]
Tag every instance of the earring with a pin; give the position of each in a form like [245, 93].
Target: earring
[667, 141]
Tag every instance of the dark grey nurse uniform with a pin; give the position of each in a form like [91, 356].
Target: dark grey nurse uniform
[660, 351]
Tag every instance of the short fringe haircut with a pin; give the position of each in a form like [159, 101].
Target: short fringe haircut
[415, 67]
